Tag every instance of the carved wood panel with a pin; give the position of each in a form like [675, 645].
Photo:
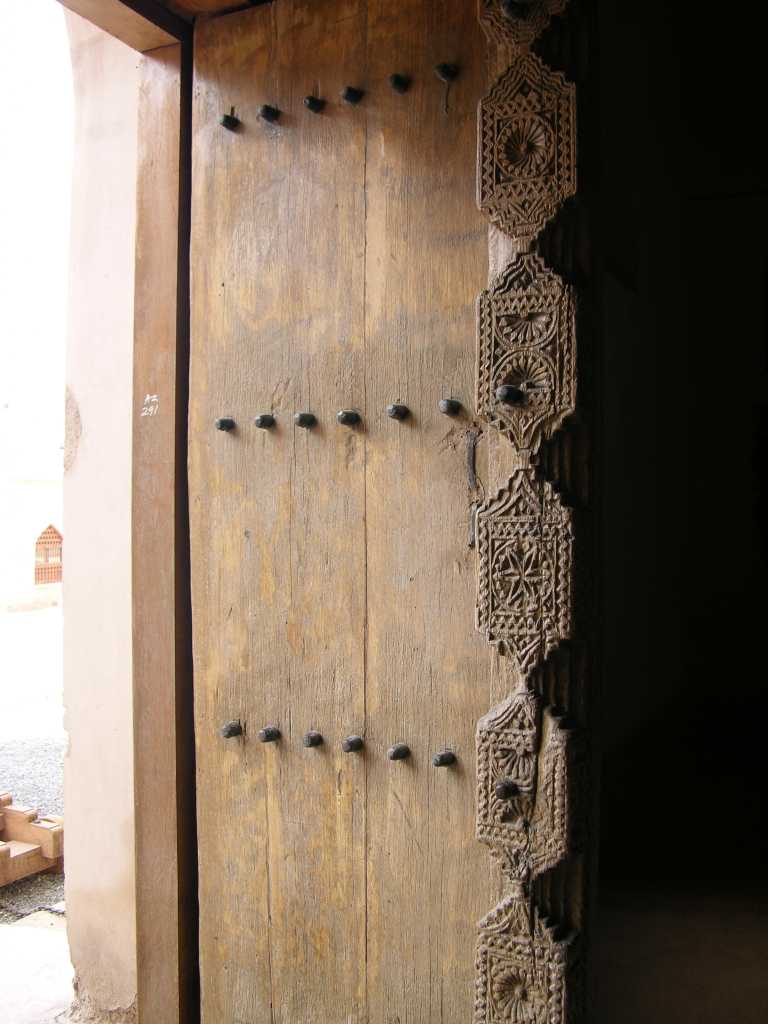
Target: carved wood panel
[522, 966]
[526, 348]
[523, 782]
[527, 147]
[532, 757]
[524, 541]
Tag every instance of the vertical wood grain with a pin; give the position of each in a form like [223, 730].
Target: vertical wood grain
[278, 521]
[163, 755]
[336, 261]
[427, 680]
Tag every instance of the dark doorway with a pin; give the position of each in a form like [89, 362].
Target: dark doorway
[682, 934]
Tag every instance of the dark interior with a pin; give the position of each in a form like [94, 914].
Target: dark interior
[683, 928]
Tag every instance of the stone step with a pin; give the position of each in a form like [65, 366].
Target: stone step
[19, 860]
[28, 844]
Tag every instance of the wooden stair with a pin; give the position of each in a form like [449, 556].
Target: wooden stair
[28, 844]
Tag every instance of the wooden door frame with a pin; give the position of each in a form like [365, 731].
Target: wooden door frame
[164, 755]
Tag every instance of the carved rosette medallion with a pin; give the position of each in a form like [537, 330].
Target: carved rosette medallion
[517, 24]
[526, 326]
[524, 540]
[527, 147]
[521, 967]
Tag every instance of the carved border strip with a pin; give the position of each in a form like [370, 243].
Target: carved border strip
[529, 763]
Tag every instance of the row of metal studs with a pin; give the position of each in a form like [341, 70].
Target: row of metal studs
[346, 417]
[352, 744]
[350, 94]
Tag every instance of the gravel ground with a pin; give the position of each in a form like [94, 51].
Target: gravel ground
[38, 892]
[31, 770]
[32, 740]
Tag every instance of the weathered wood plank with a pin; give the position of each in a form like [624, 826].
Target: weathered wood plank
[427, 680]
[278, 516]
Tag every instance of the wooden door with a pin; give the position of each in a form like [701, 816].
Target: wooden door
[336, 259]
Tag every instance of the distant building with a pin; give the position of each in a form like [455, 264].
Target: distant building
[48, 556]
[30, 543]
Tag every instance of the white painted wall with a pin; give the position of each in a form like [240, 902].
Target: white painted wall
[99, 818]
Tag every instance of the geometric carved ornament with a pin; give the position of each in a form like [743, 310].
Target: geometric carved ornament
[526, 380]
[526, 147]
[525, 541]
[524, 782]
[517, 24]
[529, 762]
[524, 815]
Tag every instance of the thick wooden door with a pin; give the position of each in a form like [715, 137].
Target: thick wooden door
[336, 258]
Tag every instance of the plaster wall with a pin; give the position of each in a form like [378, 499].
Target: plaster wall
[99, 850]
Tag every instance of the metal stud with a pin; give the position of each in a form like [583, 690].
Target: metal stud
[265, 420]
[399, 752]
[510, 394]
[307, 420]
[444, 759]
[398, 412]
[450, 406]
[352, 744]
[314, 104]
[447, 72]
[230, 729]
[312, 739]
[352, 95]
[506, 789]
[225, 423]
[400, 83]
[348, 417]
[268, 113]
[229, 121]
[269, 734]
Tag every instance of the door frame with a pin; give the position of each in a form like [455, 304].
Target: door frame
[164, 752]
[164, 748]
[168, 978]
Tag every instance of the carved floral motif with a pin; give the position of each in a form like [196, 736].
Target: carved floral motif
[524, 540]
[526, 342]
[527, 147]
[517, 23]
